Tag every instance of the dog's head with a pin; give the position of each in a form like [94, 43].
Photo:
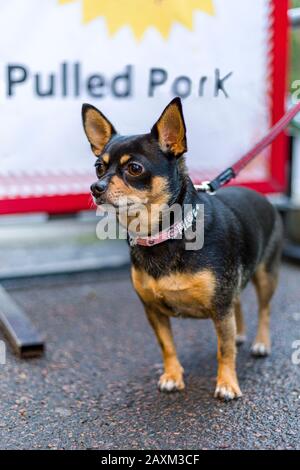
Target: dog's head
[145, 168]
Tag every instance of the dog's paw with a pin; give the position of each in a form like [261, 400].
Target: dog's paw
[225, 391]
[260, 350]
[240, 339]
[170, 383]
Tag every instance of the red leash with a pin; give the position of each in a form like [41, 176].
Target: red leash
[234, 170]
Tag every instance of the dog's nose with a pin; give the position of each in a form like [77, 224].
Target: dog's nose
[98, 188]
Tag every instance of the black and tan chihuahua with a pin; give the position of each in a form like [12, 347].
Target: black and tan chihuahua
[242, 242]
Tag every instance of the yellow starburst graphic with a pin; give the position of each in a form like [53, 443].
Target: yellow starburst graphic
[142, 14]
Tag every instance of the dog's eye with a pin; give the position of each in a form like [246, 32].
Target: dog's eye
[100, 170]
[135, 169]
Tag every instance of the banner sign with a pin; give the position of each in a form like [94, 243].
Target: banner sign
[226, 59]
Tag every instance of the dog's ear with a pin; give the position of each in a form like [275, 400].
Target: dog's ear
[170, 129]
[97, 127]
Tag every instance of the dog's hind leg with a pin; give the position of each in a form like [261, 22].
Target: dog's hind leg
[265, 280]
[172, 378]
[265, 284]
[240, 324]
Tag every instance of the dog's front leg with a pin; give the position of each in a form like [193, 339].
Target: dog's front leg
[172, 378]
[227, 382]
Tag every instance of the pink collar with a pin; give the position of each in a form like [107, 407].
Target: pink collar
[175, 231]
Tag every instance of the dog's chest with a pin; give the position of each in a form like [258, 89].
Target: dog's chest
[178, 294]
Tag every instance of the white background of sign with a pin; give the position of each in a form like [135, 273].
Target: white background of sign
[45, 134]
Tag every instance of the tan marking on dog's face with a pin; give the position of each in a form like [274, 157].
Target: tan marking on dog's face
[147, 219]
[118, 189]
[124, 159]
[157, 194]
[106, 158]
[159, 191]
[188, 294]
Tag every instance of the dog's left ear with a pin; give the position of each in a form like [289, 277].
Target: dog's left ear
[170, 130]
[97, 127]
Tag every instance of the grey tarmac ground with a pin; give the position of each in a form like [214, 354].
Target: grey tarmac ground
[96, 386]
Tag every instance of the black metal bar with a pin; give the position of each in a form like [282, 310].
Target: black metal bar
[222, 179]
[290, 165]
[16, 326]
[66, 267]
[294, 16]
[291, 251]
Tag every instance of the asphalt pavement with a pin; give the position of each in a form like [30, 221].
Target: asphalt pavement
[96, 386]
